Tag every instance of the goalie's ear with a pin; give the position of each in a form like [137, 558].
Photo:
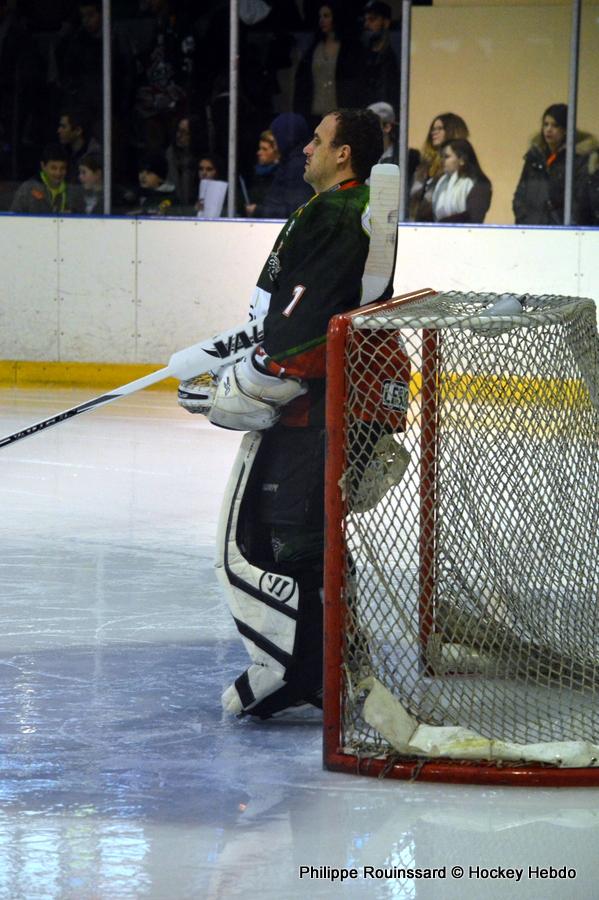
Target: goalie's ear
[344, 155]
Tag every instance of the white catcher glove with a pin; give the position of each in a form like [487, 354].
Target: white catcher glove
[248, 398]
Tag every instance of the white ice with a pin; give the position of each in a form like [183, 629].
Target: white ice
[119, 775]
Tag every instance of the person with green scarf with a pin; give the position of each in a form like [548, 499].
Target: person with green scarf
[49, 192]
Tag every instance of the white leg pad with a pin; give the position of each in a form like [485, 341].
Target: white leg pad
[264, 604]
[263, 681]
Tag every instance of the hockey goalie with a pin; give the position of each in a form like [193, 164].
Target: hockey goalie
[271, 530]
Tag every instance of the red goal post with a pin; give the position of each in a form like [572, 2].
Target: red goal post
[428, 612]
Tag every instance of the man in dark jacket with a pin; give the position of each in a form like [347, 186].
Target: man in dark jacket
[288, 190]
[380, 67]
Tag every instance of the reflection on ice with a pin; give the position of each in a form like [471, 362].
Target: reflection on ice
[120, 777]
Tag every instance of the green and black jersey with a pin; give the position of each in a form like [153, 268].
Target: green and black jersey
[313, 272]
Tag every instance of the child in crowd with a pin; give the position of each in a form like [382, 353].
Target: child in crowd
[47, 193]
[157, 196]
[91, 178]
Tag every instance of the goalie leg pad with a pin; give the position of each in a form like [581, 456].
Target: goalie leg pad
[266, 609]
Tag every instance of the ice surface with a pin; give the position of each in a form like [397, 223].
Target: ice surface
[119, 775]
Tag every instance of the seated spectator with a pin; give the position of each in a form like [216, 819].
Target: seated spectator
[91, 197]
[380, 70]
[327, 76]
[588, 193]
[211, 168]
[49, 192]
[182, 156]
[264, 171]
[463, 193]
[446, 127]
[288, 190]
[157, 196]
[389, 126]
[539, 196]
[73, 134]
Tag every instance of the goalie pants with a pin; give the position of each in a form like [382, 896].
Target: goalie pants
[271, 547]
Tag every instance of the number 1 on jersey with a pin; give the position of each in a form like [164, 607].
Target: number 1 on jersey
[297, 293]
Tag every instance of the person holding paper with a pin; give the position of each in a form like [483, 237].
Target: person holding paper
[212, 187]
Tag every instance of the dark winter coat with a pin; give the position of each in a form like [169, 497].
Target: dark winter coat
[539, 197]
[160, 201]
[588, 195]
[380, 77]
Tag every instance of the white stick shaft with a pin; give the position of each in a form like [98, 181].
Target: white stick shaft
[207, 356]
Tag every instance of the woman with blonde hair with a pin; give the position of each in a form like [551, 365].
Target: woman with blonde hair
[267, 160]
[445, 127]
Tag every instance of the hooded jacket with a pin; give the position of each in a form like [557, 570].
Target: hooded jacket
[288, 190]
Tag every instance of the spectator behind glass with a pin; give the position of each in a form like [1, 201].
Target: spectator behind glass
[21, 72]
[327, 76]
[446, 127]
[379, 68]
[91, 198]
[389, 126]
[463, 192]
[73, 134]
[210, 168]
[539, 197]
[588, 195]
[79, 60]
[182, 156]
[267, 157]
[288, 190]
[156, 196]
[166, 69]
[49, 192]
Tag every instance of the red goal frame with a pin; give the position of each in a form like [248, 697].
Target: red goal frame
[334, 756]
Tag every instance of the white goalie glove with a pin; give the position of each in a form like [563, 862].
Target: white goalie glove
[249, 399]
[245, 398]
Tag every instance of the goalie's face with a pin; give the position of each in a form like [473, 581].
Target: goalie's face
[326, 162]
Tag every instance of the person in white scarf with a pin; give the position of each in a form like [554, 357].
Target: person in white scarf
[463, 193]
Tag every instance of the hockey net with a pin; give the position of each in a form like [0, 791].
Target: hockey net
[462, 576]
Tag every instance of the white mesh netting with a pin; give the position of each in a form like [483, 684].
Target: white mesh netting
[471, 570]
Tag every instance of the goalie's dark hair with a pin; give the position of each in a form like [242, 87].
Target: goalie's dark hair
[361, 130]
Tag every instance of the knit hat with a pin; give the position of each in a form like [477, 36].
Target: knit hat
[384, 111]
[559, 112]
[378, 9]
[154, 162]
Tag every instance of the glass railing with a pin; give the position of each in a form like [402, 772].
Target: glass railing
[491, 79]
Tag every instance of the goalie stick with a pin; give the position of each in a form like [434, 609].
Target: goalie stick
[206, 356]
[230, 346]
